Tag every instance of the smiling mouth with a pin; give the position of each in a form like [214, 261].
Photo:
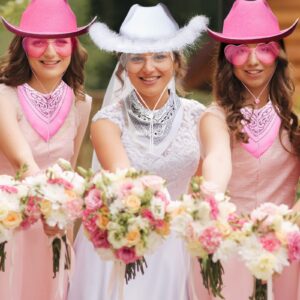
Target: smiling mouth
[253, 72]
[50, 63]
[149, 79]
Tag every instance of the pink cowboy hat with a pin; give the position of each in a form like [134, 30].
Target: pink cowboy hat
[251, 22]
[48, 18]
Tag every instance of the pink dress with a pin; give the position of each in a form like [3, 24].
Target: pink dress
[271, 178]
[28, 274]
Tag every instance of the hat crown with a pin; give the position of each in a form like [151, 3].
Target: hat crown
[48, 16]
[148, 23]
[250, 18]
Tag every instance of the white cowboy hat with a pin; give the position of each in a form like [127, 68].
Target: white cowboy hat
[148, 29]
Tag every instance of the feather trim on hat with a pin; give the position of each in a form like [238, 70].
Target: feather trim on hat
[108, 40]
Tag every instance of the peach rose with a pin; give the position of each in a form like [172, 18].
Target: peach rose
[12, 220]
[133, 203]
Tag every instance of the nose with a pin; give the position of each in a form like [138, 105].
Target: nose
[50, 50]
[148, 64]
[252, 59]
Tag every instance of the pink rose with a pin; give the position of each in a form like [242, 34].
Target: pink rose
[294, 246]
[125, 189]
[93, 199]
[9, 189]
[99, 239]
[270, 242]
[127, 255]
[153, 182]
[210, 239]
[74, 208]
[163, 197]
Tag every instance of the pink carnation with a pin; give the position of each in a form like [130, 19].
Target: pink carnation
[60, 181]
[8, 189]
[270, 242]
[89, 221]
[127, 255]
[93, 199]
[210, 239]
[147, 214]
[294, 246]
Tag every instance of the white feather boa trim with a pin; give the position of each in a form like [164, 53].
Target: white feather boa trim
[108, 40]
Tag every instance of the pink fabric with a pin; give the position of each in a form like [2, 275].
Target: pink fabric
[272, 177]
[262, 130]
[46, 112]
[33, 256]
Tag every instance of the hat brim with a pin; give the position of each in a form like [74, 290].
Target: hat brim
[220, 37]
[16, 30]
[110, 41]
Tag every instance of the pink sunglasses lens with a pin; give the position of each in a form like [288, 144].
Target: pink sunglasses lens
[63, 47]
[34, 47]
[267, 53]
[37, 47]
[236, 55]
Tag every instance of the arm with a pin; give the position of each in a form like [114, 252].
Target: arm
[12, 141]
[215, 140]
[106, 139]
[84, 108]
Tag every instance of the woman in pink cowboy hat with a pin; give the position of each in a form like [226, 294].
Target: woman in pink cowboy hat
[250, 135]
[43, 116]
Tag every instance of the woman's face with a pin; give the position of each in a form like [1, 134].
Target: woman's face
[254, 64]
[48, 58]
[150, 73]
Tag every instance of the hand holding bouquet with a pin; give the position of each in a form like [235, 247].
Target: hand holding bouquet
[269, 241]
[126, 217]
[58, 192]
[201, 219]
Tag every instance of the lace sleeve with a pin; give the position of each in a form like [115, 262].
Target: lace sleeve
[114, 113]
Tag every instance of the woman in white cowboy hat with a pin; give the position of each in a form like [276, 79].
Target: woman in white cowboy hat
[43, 116]
[150, 128]
[250, 135]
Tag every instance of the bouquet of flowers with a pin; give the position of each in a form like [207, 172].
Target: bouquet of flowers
[201, 219]
[11, 193]
[56, 194]
[126, 216]
[269, 241]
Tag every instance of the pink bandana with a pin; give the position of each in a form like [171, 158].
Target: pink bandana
[46, 112]
[262, 130]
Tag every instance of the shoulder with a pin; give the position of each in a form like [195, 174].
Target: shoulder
[215, 110]
[83, 108]
[192, 108]
[114, 113]
[6, 90]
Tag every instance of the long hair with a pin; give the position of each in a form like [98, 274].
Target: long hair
[15, 69]
[180, 71]
[229, 91]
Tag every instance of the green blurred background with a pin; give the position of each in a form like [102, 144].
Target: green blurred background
[100, 64]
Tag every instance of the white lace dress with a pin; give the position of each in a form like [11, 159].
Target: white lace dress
[168, 273]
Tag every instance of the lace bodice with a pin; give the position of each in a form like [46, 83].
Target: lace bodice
[179, 161]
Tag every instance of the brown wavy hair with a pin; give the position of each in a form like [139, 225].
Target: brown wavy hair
[180, 71]
[228, 92]
[15, 69]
